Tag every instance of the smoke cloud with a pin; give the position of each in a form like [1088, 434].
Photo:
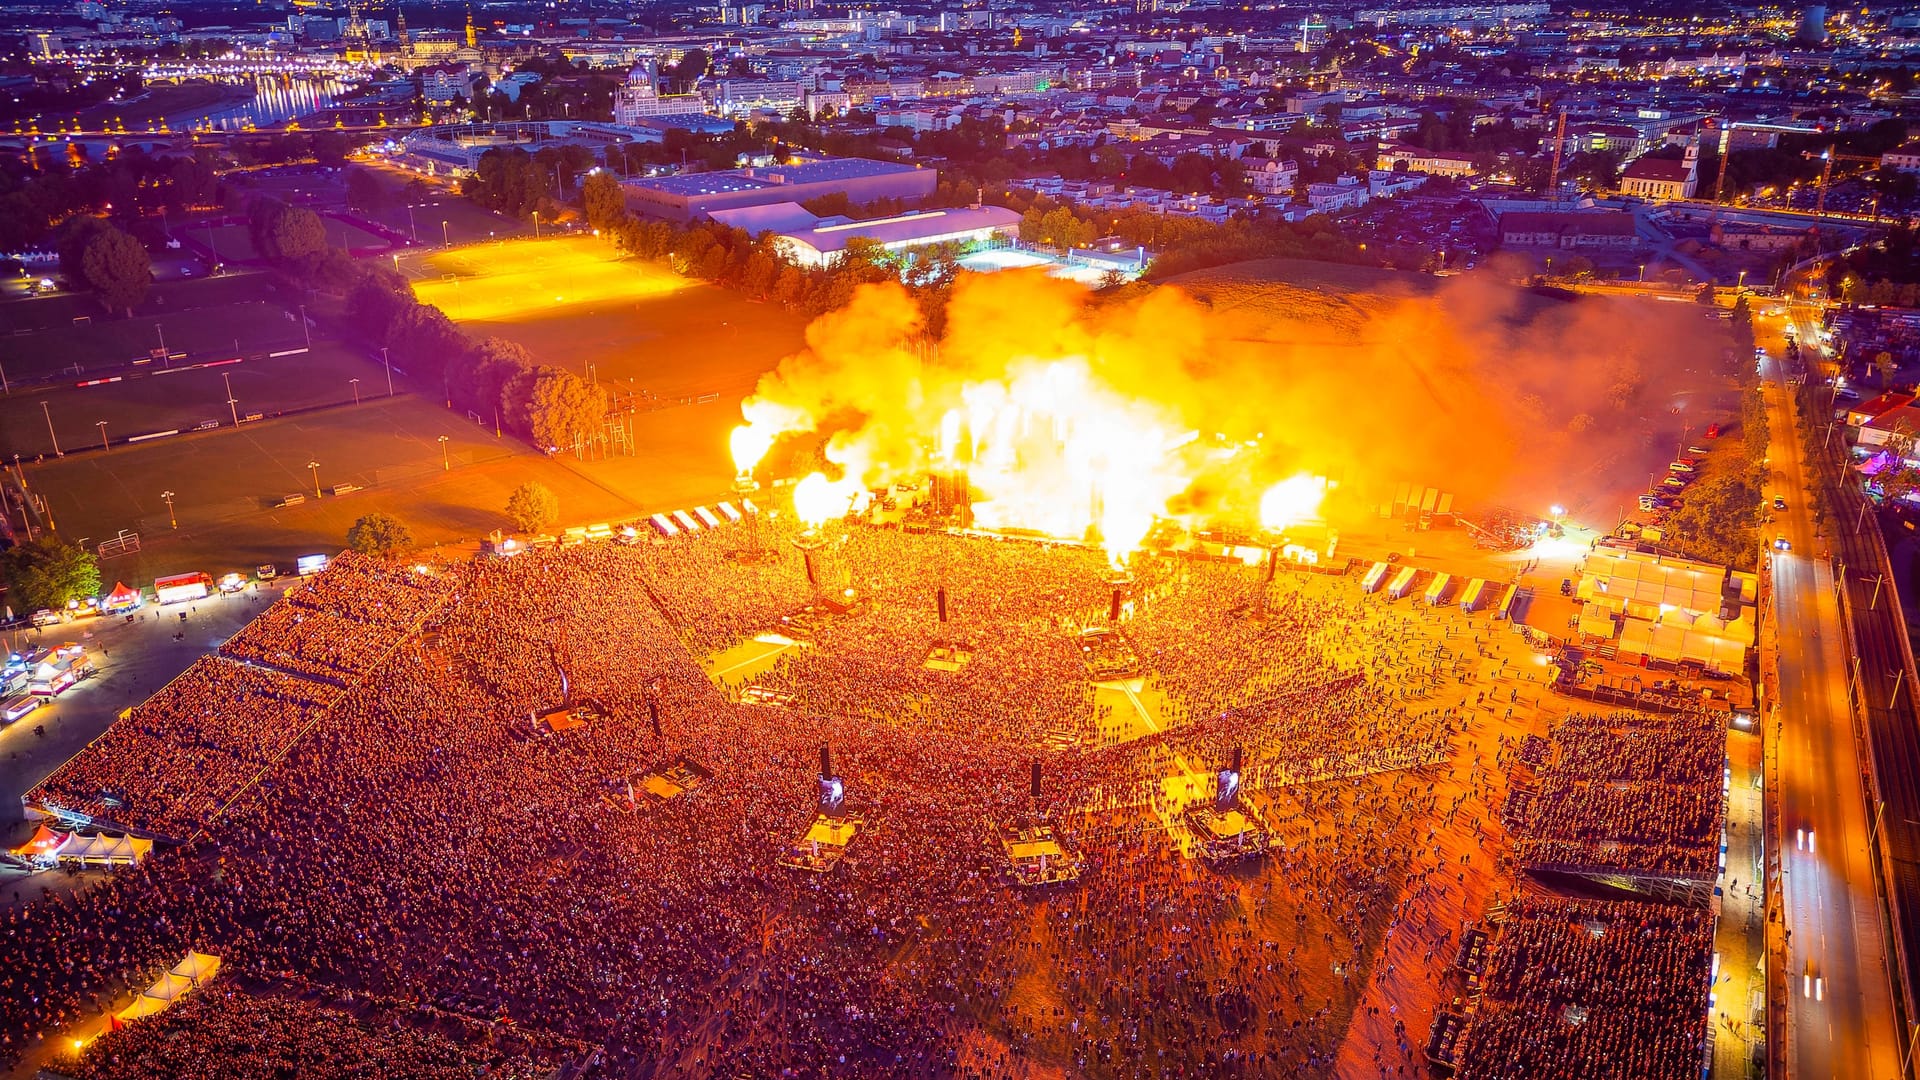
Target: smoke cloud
[1070, 409]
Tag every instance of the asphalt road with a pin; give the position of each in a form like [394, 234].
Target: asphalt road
[1840, 1017]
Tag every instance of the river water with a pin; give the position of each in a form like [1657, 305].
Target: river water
[276, 99]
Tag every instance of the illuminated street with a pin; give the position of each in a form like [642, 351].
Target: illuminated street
[1840, 1020]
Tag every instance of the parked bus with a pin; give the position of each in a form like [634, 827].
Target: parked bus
[1437, 592]
[1402, 583]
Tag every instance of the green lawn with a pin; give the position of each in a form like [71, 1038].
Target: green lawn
[467, 221]
[161, 100]
[157, 401]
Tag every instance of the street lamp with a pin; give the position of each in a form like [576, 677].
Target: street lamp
[50, 434]
[233, 403]
[355, 383]
[444, 242]
[536, 224]
[388, 364]
[446, 463]
[1643, 273]
[171, 520]
[314, 467]
[102, 425]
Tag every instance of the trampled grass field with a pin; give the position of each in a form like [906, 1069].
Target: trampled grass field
[226, 484]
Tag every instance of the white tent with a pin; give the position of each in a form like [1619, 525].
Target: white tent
[103, 849]
[1701, 641]
[1629, 582]
[198, 967]
[186, 976]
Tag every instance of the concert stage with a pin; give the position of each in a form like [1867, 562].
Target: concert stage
[1228, 835]
[823, 845]
[1035, 856]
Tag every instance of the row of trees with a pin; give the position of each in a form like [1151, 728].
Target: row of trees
[553, 408]
[1886, 272]
[34, 203]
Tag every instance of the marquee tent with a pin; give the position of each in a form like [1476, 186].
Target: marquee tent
[121, 598]
[104, 849]
[1630, 582]
[186, 976]
[42, 848]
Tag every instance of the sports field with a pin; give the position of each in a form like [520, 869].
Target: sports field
[156, 399]
[232, 243]
[640, 330]
[63, 338]
[227, 483]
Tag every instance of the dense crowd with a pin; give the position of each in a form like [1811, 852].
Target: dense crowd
[427, 845]
[1632, 794]
[1587, 988]
[338, 626]
[223, 1033]
[167, 767]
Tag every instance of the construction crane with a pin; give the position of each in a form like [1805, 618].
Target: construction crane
[1553, 172]
[1827, 158]
[1726, 151]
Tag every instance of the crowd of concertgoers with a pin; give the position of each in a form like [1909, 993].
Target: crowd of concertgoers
[181, 755]
[224, 1033]
[426, 846]
[338, 627]
[1631, 794]
[1584, 988]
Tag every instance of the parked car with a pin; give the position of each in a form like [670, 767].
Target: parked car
[267, 572]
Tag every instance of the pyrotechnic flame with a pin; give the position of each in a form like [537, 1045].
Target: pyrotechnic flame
[765, 422]
[817, 500]
[1056, 450]
[1073, 416]
[749, 444]
[1292, 501]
